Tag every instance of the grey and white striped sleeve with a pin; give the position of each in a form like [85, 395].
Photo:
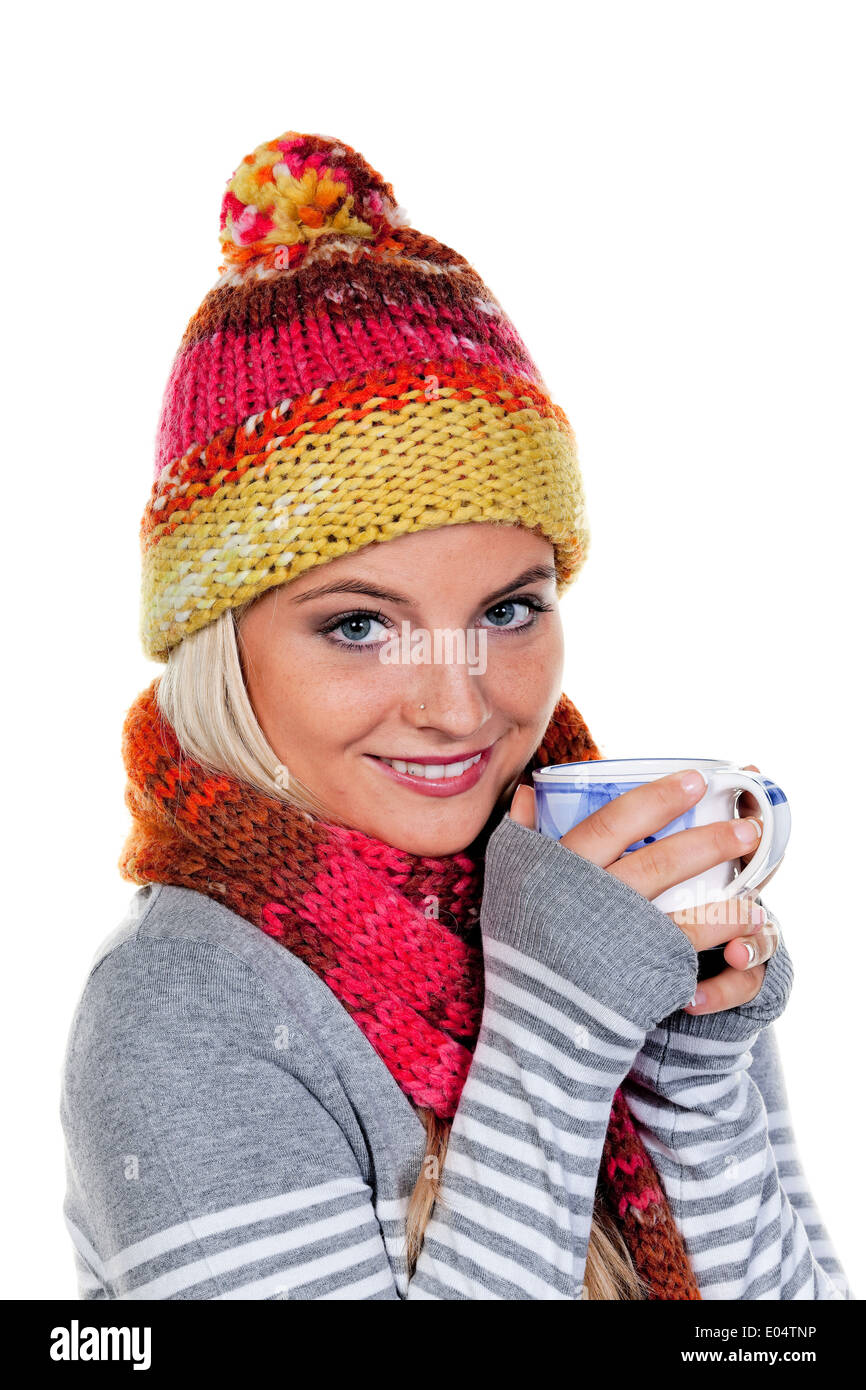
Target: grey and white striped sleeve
[199, 1166]
[578, 968]
[703, 1120]
[767, 1073]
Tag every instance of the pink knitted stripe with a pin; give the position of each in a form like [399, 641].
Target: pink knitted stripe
[640, 1201]
[220, 381]
[429, 1069]
[625, 1165]
[383, 939]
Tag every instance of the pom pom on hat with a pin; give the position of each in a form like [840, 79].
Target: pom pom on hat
[294, 190]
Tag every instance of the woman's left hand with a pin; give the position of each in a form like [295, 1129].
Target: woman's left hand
[751, 944]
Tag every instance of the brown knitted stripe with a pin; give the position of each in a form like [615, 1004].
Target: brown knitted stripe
[365, 287]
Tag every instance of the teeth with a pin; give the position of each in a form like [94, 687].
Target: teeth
[429, 771]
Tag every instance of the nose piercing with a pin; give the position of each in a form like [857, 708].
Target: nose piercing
[420, 706]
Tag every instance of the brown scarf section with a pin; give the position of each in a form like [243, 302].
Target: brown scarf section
[394, 935]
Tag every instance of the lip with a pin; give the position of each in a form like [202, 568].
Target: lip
[439, 786]
[437, 758]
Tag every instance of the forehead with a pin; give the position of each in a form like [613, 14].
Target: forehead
[474, 547]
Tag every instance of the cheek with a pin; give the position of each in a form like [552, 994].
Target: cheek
[306, 697]
[527, 677]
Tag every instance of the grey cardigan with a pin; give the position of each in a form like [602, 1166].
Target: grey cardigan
[231, 1134]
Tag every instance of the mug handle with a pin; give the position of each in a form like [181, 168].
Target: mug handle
[776, 816]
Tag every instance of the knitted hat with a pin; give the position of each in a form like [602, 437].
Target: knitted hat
[346, 380]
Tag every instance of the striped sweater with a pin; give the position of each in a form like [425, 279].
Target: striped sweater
[231, 1134]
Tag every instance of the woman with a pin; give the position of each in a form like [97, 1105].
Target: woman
[365, 1033]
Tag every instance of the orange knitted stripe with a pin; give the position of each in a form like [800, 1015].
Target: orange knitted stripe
[201, 472]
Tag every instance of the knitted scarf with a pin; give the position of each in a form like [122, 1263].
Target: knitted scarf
[394, 935]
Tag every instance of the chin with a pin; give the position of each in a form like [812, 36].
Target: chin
[439, 841]
[432, 847]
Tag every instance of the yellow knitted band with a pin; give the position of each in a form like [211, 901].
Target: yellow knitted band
[294, 488]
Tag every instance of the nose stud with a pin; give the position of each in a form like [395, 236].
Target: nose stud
[420, 706]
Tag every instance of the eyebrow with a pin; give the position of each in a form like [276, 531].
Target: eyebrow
[532, 575]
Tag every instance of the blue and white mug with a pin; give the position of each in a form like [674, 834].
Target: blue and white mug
[567, 793]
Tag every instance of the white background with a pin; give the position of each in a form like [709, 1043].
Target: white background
[668, 200]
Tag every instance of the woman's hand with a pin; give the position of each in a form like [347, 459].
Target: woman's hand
[745, 926]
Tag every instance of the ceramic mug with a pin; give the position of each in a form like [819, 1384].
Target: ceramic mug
[567, 793]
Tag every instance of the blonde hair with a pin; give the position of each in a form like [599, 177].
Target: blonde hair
[204, 697]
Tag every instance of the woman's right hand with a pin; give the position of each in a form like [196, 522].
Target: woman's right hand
[603, 837]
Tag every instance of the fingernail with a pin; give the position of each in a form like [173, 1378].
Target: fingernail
[693, 781]
[752, 950]
[748, 830]
[699, 997]
[757, 916]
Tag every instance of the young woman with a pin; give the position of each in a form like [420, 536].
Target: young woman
[365, 1033]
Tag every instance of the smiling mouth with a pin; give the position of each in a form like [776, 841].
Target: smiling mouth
[434, 768]
[430, 771]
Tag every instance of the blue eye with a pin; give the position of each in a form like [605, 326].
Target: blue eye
[507, 610]
[356, 630]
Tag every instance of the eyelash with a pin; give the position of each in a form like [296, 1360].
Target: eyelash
[528, 600]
